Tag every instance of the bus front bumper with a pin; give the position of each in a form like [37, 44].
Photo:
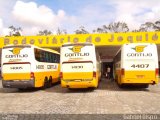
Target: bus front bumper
[18, 83]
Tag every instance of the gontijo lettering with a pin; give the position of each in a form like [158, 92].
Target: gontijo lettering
[139, 54]
[76, 54]
[16, 56]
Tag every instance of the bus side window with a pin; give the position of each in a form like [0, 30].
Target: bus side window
[57, 58]
[37, 54]
[42, 56]
[50, 57]
[46, 57]
[54, 58]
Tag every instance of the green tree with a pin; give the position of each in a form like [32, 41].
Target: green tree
[117, 27]
[113, 27]
[81, 30]
[135, 30]
[14, 31]
[148, 26]
[99, 30]
[44, 32]
[61, 32]
[157, 25]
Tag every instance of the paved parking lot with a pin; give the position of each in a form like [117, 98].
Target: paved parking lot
[107, 99]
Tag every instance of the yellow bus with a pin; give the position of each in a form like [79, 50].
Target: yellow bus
[25, 66]
[136, 63]
[80, 66]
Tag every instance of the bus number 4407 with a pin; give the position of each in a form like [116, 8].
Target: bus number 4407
[140, 66]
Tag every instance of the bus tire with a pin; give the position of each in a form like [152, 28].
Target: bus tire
[50, 82]
[93, 88]
[21, 89]
[45, 83]
[97, 85]
[145, 86]
[120, 85]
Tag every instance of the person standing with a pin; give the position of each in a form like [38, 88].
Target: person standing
[108, 72]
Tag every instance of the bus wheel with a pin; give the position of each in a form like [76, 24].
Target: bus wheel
[145, 85]
[50, 82]
[97, 85]
[120, 85]
[21, 89]
[45, 83]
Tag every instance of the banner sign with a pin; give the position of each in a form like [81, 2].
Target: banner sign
[98, 39]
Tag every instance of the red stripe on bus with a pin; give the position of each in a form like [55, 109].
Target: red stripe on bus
[17, 63]
[77, 62]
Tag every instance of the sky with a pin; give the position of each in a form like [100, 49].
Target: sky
[35, 15]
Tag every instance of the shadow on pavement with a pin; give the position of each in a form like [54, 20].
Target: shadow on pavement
[111, 85]
[104, 84]
[15, 90]
[59, 89]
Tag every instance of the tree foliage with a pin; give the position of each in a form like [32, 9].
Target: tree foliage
[48, 32]
[44, 32]
[118, 27]
[81, 30]
[157, 25]
[61, 32]
[14, 31]
[114, 27]
[148, 26]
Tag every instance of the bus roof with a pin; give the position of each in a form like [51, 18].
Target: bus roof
[11, 46]
[139, 44]
[29, 46]
[71, 44]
